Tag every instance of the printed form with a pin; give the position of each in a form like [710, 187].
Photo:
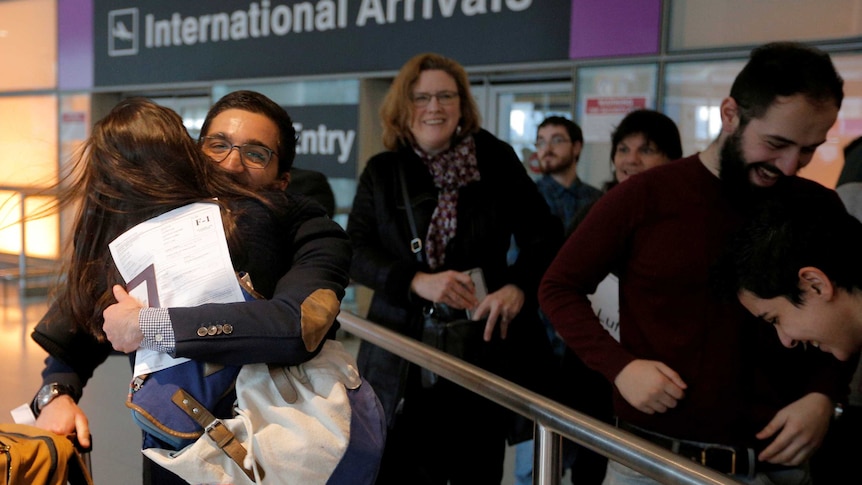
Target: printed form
[178, 259]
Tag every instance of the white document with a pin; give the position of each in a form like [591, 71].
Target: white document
[606, 304]
[178, 259]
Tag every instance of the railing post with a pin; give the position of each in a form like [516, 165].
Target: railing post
[547, 456]
[22, 256]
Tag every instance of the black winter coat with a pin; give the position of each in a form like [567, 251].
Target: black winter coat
[504, 204]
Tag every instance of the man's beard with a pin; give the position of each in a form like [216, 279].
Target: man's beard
[735, 172]
[552, 168]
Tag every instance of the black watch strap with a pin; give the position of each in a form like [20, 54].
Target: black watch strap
[48, 393]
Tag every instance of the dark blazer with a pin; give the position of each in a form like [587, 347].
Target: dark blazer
[291, 254]
[503, 204]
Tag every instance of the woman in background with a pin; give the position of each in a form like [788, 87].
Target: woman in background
[469, 194]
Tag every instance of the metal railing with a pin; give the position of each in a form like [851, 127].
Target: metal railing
[553, 420]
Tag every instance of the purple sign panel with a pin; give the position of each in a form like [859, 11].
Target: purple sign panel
[603, 28]
[75, 49]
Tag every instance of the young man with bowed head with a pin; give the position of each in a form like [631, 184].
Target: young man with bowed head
[249, 135]
[797, 266]
[690, 373]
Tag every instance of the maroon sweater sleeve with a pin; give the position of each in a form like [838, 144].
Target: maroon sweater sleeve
[589, 254]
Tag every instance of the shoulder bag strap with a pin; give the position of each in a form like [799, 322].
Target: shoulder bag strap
[415, 243]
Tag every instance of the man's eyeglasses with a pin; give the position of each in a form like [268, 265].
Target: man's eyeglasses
[421, 100]
[252, 156]
[555, 140]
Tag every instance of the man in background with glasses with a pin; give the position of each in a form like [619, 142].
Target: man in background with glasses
[559, 142]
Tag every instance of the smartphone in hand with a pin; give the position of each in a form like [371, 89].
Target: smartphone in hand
[478, 278]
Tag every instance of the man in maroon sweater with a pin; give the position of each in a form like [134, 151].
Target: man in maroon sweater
[690, 373]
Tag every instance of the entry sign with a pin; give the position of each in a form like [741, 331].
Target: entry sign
[326, 138]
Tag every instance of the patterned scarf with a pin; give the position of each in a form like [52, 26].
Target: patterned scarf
[452, 169]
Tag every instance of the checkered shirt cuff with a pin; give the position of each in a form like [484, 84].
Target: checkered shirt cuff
[158, 333]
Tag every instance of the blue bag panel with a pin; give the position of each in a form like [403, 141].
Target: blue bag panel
[361, 461]
[169, 425]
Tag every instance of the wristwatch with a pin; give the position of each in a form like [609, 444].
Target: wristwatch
[48, 393]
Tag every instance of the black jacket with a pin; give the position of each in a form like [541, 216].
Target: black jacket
[504, 204]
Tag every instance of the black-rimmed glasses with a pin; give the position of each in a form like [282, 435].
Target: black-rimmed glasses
[252, 156]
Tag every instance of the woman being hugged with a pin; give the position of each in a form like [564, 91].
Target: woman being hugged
[139, 163]
[469, 195]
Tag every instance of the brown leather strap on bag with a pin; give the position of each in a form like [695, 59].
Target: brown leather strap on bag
[215, 429]
[278, 373]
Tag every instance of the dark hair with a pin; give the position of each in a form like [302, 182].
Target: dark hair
[575, 133]
[396, 112]
[654, 126]
[784, 235]
[138, 162]
[785, 69]
[255, 102]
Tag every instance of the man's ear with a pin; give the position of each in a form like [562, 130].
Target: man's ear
[577, 146]
[815, 282]
[283, 180]
[729, 111]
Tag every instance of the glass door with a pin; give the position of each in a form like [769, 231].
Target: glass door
[518, 109]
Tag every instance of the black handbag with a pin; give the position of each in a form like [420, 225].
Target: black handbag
[460, 337]
[444, 328]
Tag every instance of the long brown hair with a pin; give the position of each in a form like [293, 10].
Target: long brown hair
[139, 162]
[396, 112]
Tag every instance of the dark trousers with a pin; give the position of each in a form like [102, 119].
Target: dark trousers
[156, 475]
[445, 435]
[587, 391]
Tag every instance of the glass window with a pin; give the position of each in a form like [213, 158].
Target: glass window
[521, 109]
[693, 94]
[696, 24]
[192, 109]
[42, 233]
[605, 96]
[28, 26]
[830, 156]
[28, 141]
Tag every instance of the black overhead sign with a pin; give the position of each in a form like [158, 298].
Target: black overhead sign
[326, 138]
[162, 41]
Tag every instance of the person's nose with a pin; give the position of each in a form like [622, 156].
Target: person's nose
[785, 339]
[433, 104]
[630, 158]
[233, 162]
[792, 161]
